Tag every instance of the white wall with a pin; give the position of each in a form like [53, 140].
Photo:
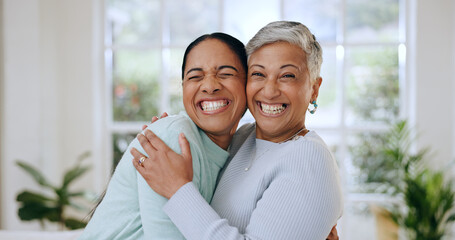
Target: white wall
[1, 95]
[52, 89]
[52, 107]
[452, 93]
[434, 78]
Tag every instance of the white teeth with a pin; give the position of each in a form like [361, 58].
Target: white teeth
[213, 105]
[273, 109]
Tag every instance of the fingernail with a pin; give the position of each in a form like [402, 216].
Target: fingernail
[149, 134]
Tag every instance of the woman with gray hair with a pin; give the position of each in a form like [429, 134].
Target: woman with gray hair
[282, 182]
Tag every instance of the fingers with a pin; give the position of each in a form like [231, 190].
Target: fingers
[184, 146]
[154, 119]
[333, 234]
[155, 141]
[144, 127]
[136, 157]
[146, 145]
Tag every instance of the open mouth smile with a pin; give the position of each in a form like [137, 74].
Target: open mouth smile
[209, 106]
[272, 109]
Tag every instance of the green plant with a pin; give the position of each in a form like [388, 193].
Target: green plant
[430, 205]
[428, 198]
[396, 153]
[383, 158]
[37, 206]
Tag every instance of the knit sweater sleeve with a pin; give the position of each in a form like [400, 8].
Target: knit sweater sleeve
[156, 224]
[117, 216]
[207, 160]
[302, 200]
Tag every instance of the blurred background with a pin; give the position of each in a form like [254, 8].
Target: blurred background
[78, 76]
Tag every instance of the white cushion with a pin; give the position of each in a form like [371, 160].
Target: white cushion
[40, 235]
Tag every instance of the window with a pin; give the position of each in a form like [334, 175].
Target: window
[364, 67]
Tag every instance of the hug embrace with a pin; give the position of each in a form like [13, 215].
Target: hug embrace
[198, 175]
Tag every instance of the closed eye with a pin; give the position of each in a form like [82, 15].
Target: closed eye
[225, 75]
[195, 77]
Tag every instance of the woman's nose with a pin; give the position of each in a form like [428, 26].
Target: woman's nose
[210, 84]
[271, 89]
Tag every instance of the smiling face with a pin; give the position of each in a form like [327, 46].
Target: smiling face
[279, 90]
[214, 88]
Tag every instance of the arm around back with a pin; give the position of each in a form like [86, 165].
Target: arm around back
[297, 196]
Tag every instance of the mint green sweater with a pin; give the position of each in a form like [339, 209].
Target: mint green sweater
[131, 209]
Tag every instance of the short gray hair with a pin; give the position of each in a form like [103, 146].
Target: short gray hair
[294, 33]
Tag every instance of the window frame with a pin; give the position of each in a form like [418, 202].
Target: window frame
[343, 129]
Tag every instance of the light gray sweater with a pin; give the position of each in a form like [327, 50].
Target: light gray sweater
[291, 191]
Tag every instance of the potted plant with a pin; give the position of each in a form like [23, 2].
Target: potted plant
[52, 207]
[427, 200]
[380, 159]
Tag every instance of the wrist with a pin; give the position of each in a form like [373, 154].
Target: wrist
[177, 187]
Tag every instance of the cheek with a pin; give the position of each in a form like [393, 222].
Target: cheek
[304, 91]
[239, 87]
[250, 91]
[188, 93]
[241, 94]
[302, 98]
[188, 89]
[241, 100]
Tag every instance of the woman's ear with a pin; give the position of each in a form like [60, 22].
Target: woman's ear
[316, 85]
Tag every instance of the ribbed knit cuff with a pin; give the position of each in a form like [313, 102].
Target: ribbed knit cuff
[189, 211]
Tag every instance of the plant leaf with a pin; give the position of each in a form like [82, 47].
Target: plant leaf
[87, 195]
[31, 197]
[77, 194]
[34, 210]
[73, 174]
[78, 206]
[37, 206]
[83, 156]
[37, 175]
[72, 223]
[54, 214]
[451, 218]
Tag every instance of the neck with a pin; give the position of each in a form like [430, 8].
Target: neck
[282, 136]
[223, 141]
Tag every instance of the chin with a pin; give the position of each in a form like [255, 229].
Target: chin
[215, 128]
[271, 126]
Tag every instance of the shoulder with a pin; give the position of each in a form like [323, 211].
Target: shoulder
[309, 153]
[172, 126]
[245, 129]
[311, 144]
[308, 163]
[178, 121]
[168, 130]
[240, 136]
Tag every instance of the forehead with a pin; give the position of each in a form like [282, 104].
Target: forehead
[211, 52]
[278, 53]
